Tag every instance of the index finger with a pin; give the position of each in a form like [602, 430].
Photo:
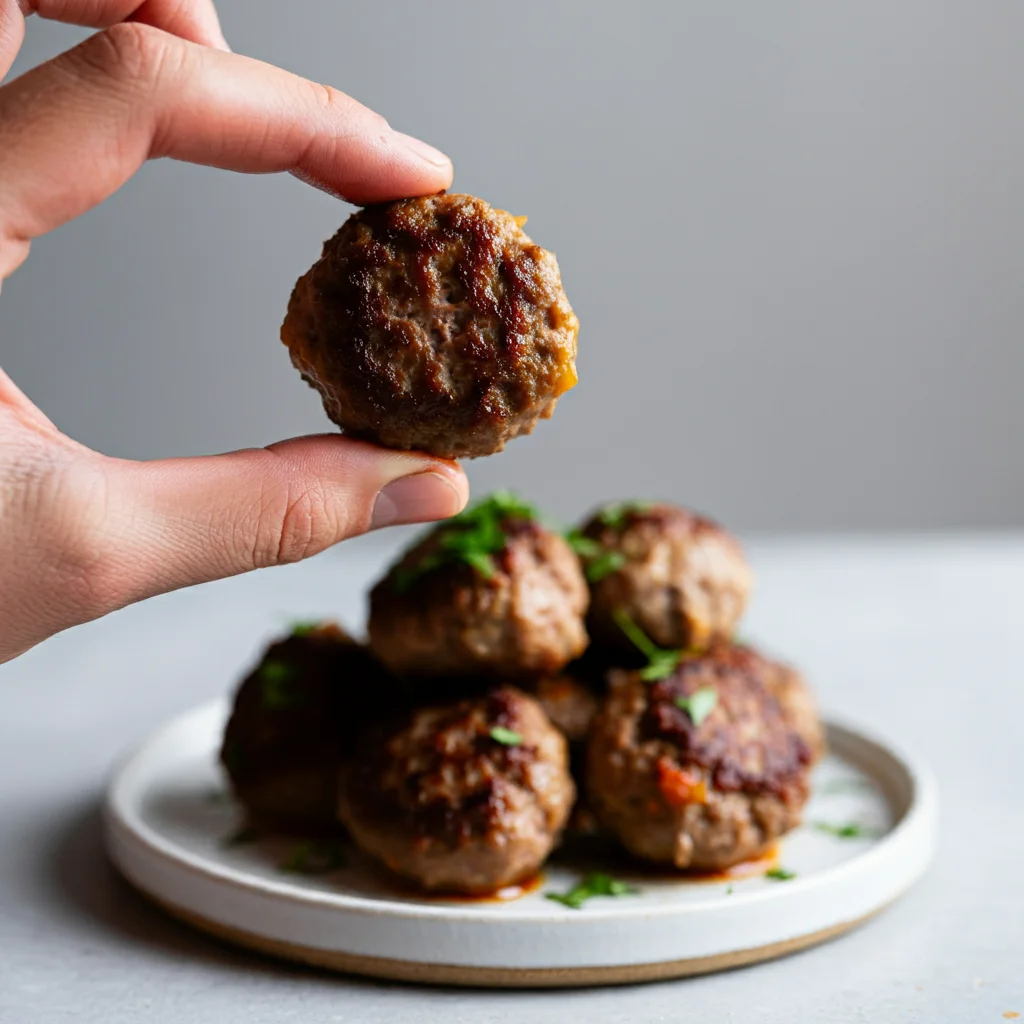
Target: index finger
[195, 20]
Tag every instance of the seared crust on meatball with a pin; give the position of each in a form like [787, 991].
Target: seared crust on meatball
[788, 687]
[463, 798]
[704, 796]
[526, 617]
[293, 718]
[680, 577]
[434, 324]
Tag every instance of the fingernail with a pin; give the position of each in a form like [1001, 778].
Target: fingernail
[421, 498]
[422, 150]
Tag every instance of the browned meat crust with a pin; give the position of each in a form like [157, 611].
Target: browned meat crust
[681, 578]
[434, 324]
[443, 802]
[702, 797]
[527, 617]
[294, 716]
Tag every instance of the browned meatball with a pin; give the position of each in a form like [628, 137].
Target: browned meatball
[568, 702]
[462, 798]
[699, 796]
[795, 698]
[434, 324]
[681, 578]
[488, 593]
[293, 717]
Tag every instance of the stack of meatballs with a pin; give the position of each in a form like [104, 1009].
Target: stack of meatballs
[518, 683]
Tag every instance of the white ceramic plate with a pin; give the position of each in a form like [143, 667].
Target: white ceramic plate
[168, 818]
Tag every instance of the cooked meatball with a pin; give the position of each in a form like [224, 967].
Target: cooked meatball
[489, 593]
[462, 798]
[294, 716]
[681, 578]
[699, 796]
[787, 686]
[568, 702]
[434, 324]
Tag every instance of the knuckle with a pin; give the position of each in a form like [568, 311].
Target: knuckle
[128, 52]
[294, 526]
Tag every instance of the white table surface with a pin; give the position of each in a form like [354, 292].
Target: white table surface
[919, 637]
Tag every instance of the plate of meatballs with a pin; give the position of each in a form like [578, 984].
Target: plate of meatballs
[552, 761]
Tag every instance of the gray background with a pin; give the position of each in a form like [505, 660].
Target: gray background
[792, 232]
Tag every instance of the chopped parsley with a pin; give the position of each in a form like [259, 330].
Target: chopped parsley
[729, 890]
[242, 836]
[471, 538]
[614, 515]
[851, 830]
[780, 875]
[699, 704]
[597, 883]
[276, 685]
[661, 663]
[311, 858]
[508, 737]
[305, 628]
[597, 563]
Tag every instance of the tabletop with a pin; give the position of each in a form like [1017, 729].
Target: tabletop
[917, 637]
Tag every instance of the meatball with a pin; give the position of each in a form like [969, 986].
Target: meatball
[434, 324]
[462, 798]
[568, 702]
[488, 593]
[699, 770]
[788, 687]
[293, 718]
[681, 578]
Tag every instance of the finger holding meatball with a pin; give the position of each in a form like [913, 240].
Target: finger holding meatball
[681, 578]
[489, 593]
[698, 770]
[434, 324]
[462, 798]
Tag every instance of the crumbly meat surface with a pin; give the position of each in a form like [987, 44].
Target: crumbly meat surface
[683, 579]
[696, 797]
[434, 324]
[527, 617]
[444, 803]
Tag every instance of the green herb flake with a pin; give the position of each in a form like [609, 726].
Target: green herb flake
[729, 890]
[851, 830]
[276, 685]
[780, 875]
[597, 883]
[614, 515]
[507, 737]
[312, 858]
[604, 565]
[661, 663]
[242, 836]
[584, 547]
[472, 538]
[300, 629]
[699, 704]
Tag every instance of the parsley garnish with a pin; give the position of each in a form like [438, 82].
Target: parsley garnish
[699, 704]
[614, 515]
[780, 875]
[276, 678]
[508, 737]
[729, 890]
[661, 663]
[241, 836]
[305, 628]
[309, 858]
[472, 538]
[852, 830]
[597, 563]
[597, 883]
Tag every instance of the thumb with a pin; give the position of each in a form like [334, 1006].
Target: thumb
[177, 522]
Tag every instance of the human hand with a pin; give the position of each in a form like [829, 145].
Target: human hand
[80, 533]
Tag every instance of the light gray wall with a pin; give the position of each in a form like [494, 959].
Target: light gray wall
[793, 233]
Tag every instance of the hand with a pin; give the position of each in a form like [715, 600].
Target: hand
[82, 534]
